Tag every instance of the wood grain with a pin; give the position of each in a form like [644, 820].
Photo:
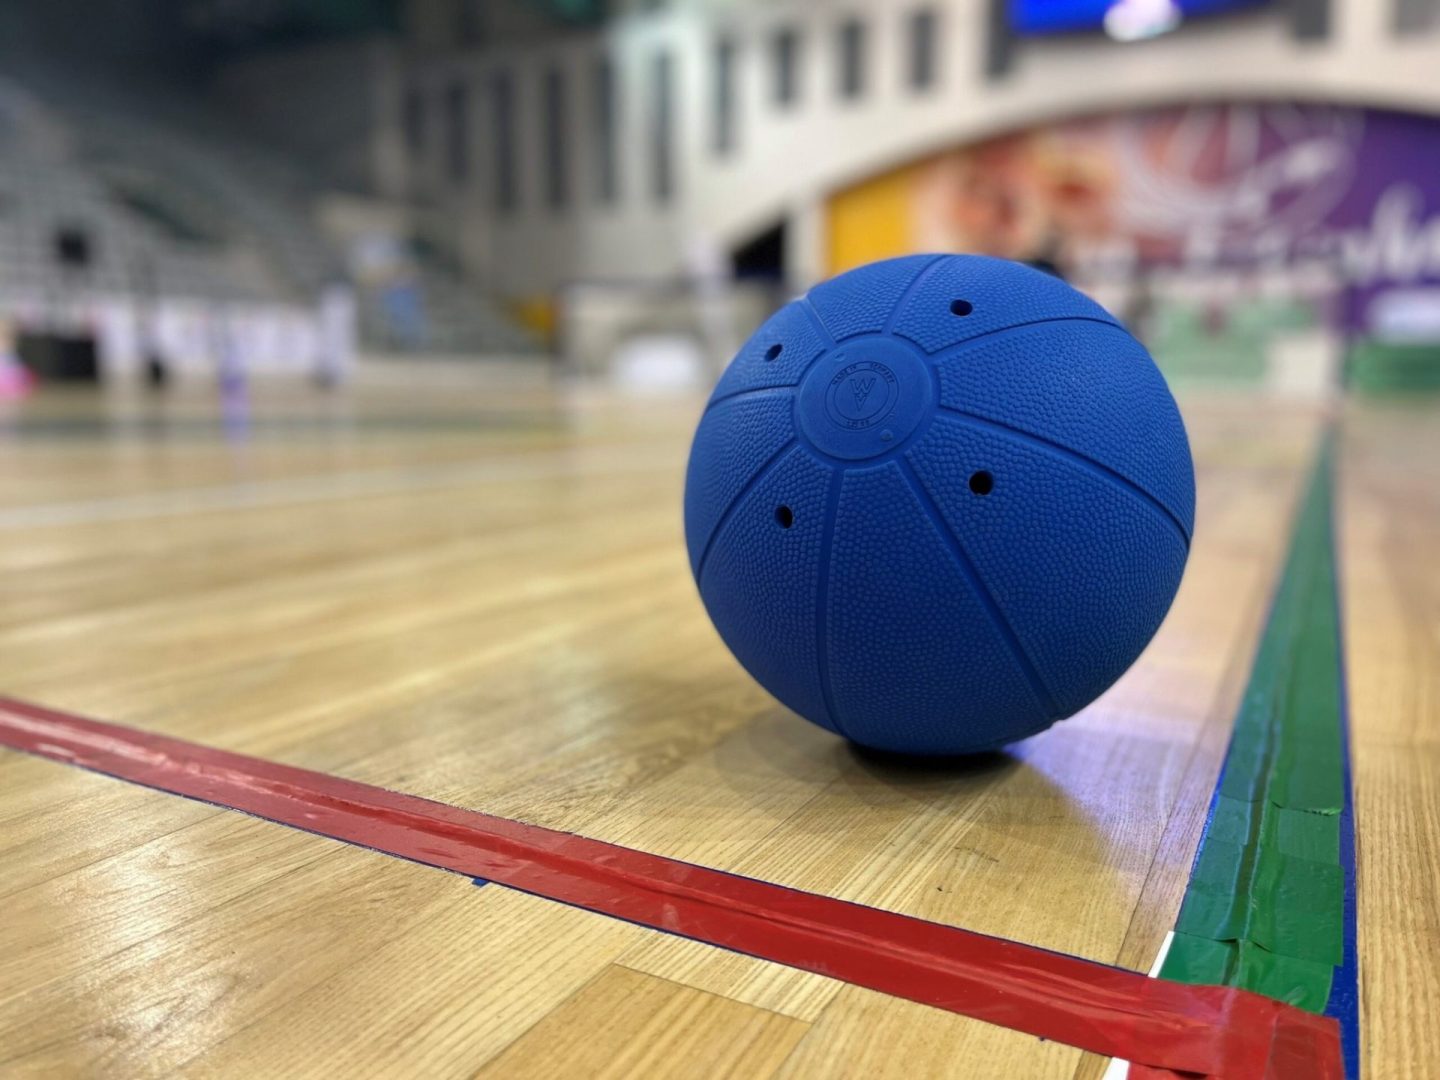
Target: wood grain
[625, 1024]
[489, 604]
[1389, 541]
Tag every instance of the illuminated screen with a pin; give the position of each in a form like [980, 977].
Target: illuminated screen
[1065, 16]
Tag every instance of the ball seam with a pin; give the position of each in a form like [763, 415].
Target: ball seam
[822, 601]
[981, 590]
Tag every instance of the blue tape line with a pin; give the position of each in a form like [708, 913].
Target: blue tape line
[1344, 1002]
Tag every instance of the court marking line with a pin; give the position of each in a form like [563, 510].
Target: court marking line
[1119, 1068]
[1345, 991]
[1232, 687]
[1211, 1030]
[319, 488]
[1270, 716]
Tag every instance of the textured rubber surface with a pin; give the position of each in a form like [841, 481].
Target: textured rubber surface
[939, 503]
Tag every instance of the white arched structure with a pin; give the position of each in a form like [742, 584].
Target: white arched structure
[785, 161]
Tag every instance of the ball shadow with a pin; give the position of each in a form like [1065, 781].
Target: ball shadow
[909, 768]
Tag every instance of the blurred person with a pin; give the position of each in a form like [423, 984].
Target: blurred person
[152, 353]
[335, 337]
[16, 380]
[404, 311]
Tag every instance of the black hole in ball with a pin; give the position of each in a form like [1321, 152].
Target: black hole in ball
[773, 352]
[982, 483]
[784, 516]
[961, 307]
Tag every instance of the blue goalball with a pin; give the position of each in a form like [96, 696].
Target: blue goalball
[939, 503]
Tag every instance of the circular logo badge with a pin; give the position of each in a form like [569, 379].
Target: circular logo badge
[866, 398]
[861, 394]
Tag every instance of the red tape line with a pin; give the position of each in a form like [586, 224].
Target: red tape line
[1209, 1030]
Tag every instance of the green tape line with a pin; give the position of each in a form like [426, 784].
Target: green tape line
[1265, 906]
[1296, 833]
[1200, 960]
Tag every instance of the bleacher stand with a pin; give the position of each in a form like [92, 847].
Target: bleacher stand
[147, 221]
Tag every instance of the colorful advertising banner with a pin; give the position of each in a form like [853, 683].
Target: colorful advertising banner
[1210, 189]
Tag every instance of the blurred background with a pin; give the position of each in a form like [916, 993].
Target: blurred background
[206, 192]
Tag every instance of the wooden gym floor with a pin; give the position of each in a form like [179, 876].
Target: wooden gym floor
[477, 592]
